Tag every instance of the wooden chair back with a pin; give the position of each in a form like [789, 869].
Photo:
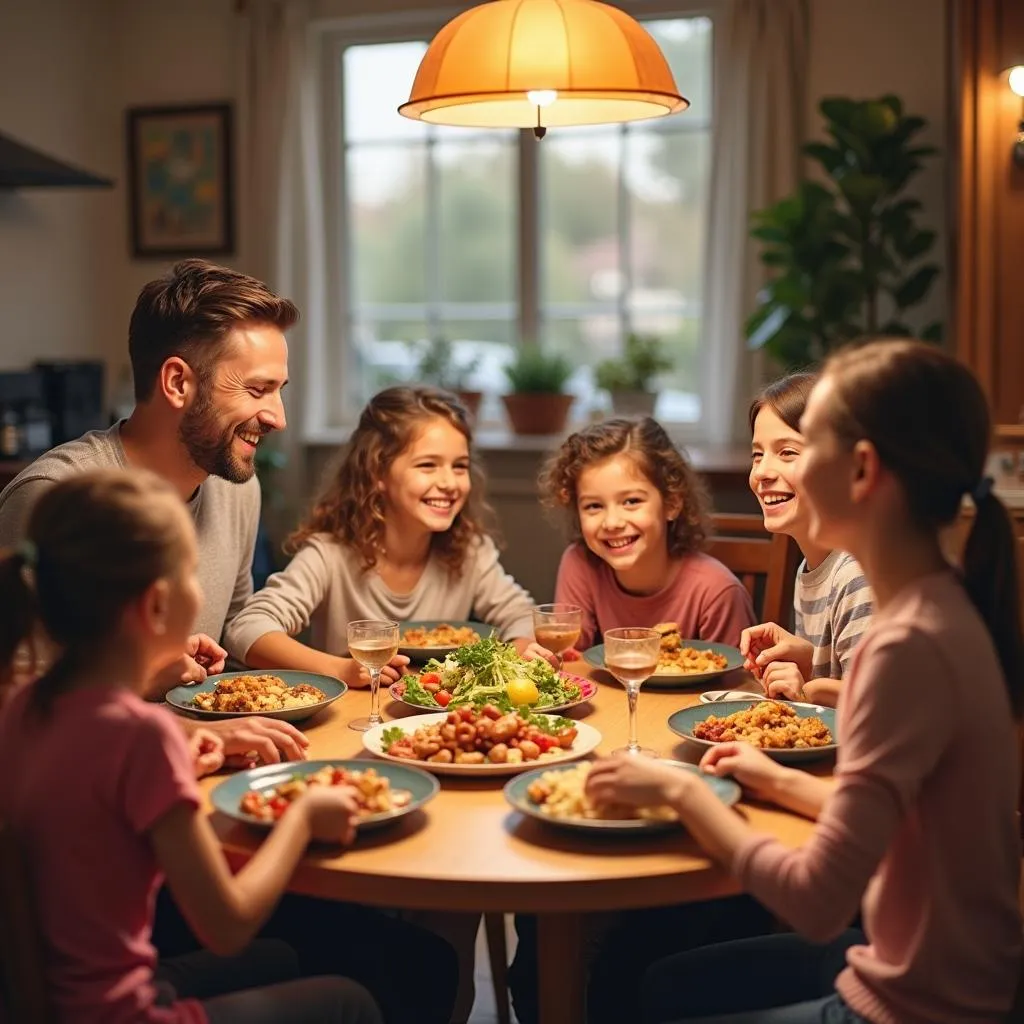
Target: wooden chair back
[764, 562]
[21, 947]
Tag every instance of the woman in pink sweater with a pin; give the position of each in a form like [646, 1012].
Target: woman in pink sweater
[920, 824]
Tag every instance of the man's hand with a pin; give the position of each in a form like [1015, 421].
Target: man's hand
[782, 679]
[768, 642]
[251, 741]
[349, 671]
[206, 654]
[202, 657]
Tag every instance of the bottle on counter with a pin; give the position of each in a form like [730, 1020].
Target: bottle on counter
[10, 433]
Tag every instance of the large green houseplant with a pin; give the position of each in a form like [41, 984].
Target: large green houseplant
[846, 255]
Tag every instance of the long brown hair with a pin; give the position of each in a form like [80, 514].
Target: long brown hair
[786, 397]
[928, 419]
[351, 508]
[649, 446]
[94, 543]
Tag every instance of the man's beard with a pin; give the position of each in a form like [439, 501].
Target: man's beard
[210, 448]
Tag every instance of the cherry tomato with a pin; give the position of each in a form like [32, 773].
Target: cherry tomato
[442, 697]
[430, 678]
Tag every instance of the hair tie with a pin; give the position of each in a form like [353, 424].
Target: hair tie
[982, 490]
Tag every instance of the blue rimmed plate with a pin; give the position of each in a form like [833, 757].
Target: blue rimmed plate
[420, 654]
[181, 697]
[517, 794]
[682, 724]
[662, 680]
[228, 795]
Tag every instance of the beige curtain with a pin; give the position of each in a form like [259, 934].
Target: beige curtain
[760, 83]
[283, 195]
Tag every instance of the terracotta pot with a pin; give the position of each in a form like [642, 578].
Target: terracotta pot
[538, 414]
[633, 403]
[471, 400]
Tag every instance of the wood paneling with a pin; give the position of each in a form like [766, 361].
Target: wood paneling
[988, 293]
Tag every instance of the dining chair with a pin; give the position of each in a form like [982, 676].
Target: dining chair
[764, 562]
[21, 947]
[497, 955]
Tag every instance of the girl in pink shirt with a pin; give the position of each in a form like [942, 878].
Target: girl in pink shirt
[641, 515]
[920, 825]
[101, 791]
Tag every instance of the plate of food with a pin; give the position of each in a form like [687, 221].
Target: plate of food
[287, 693]
[384, 791]
[491, 671]
[482, 741]
[420, 640]
[785, 731]
[681, 662]
[556, 795]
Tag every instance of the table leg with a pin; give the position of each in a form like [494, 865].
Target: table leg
[560, 968]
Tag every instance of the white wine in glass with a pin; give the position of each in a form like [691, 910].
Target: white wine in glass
[557, 627]
[373, 643]
[631, 655]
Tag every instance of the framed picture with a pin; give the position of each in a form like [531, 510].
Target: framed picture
[180, 180]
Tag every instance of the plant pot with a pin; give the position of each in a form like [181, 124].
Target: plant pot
[537, 414]
[633, 403]
[471, 400]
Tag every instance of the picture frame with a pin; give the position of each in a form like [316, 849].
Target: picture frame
[181, 180]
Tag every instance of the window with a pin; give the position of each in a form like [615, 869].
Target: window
[441, 239]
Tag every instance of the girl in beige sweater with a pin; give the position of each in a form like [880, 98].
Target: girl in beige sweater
[399, 533]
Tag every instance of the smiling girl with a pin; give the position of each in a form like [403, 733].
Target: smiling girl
[641, 515]
[832, 600]
[896, 434]
[398, 534]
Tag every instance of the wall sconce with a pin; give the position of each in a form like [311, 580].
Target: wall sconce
[1017, 86]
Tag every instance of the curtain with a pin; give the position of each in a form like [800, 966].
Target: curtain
[760, 84]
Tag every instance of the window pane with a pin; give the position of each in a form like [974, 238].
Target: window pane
[579, 226]
[377, 79]
[383, 352]
[477, 205]
[686, 44]
[387, 223]
[667, 178]
[584, 340]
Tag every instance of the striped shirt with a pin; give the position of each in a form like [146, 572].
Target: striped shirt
[832, 606]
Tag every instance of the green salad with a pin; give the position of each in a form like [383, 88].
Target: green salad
[490, 671]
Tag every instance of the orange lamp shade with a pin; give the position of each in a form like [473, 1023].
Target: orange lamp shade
[534, 63]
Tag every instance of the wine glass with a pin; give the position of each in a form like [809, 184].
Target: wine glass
[557, 627]
[631, 655]
[373, 643]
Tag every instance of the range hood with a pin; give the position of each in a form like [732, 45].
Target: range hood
[24, 167]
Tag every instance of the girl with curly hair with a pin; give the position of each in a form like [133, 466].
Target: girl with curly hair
[639, 513]
[399, 533]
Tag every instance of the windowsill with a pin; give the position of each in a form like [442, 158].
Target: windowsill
[496, 438]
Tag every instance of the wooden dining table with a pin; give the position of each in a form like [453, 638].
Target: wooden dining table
[467, 850]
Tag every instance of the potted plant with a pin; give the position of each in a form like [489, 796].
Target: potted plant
[538, 403]
[628, 378]
[436, 364]
[846, 254]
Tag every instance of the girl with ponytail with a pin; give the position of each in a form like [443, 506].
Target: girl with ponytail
[100, 787]
[921, 826]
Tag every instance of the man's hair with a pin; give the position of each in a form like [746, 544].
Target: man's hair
[189, 314]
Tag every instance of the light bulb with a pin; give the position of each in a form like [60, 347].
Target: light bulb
[545, 97]
[1017, 80]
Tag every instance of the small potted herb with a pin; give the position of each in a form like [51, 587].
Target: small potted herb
[629, 378]
[538, 403]
[436, 364]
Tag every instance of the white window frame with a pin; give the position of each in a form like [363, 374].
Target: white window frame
[340, 405]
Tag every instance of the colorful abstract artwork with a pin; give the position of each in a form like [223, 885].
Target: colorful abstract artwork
[180, 173]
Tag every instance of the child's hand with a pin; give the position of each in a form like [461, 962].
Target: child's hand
[635, 781]
[768, 642]
[331, 812]
[784, 680]
[207, 751]
[530, 650]
[755, 771]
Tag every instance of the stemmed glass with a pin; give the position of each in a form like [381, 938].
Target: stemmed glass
[631, 655]
[557, 627]
[373, 643]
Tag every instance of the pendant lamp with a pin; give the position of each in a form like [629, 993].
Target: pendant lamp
[540, 64]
